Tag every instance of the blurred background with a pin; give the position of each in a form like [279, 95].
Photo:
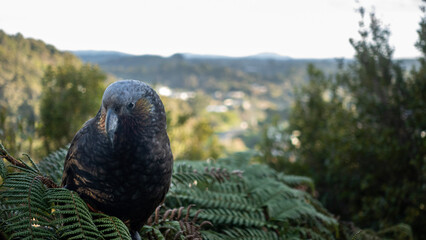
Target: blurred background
[333, 90]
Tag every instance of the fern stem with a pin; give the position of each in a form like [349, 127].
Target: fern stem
[4, 154]
[115, 226]
[32, 162]
[47, 182]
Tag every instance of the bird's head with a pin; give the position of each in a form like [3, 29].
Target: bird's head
[130, 105]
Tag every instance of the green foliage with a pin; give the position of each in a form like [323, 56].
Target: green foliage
[22, 63]
[27, 207]
[53, 165]
[249, 201]
[71, 215]
[237, 199]
[110, 227]
[70, 96]
[360, 135]
[191, 133]
[30, 208]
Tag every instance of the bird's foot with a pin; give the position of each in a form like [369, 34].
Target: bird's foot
[135, 235]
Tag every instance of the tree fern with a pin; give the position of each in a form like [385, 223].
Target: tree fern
[239, 200]
[243, 200]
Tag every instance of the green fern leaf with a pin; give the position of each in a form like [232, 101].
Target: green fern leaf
[238, 218]
[297, 209]
[152, 233]
[3, 169]
[25, 209]
[250, 234]
[187, 174]
[213, 235]
[110, 227]
[295, 181]
[53, 165]
[71, 215]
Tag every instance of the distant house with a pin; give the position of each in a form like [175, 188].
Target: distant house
[236, 94]
[168, 92]
[217, 108]
[165, 91]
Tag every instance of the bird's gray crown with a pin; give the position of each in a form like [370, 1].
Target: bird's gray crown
[126, 91]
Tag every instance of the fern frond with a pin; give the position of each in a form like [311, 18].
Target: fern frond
[295, 181]
[26, 209]
[297, 210]
[238, 218]
[174, 224]
[263, 191]
[249, 234]
[71, 215]
[213, 199]
[111, 227]
[3, 170]
[32, 162]
[301, 232]
[187, 174]
[149, 232]
[213, 235]
[53, 164]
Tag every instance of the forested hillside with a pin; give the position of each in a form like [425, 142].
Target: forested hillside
[22, 65]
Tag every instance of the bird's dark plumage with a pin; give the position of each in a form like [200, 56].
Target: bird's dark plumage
[120, 161]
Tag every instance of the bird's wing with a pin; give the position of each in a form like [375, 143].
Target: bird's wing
[72, 154]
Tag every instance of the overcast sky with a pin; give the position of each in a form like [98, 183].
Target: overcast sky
[295, 28]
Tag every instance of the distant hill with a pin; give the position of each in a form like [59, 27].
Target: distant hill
[98, 56]
[212, 73]
[264, 56]
[175, 70]
[269, 56]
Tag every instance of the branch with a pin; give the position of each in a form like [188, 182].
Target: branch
[4, 154]
[45, 180]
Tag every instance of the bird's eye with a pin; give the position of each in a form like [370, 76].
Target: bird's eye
[130, 105]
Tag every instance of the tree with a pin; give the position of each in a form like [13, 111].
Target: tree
[191, 134]
[361, 135]
[71, 95]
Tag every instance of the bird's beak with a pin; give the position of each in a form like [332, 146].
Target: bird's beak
[111, 124]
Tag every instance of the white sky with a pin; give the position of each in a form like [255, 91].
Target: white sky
[295, 28]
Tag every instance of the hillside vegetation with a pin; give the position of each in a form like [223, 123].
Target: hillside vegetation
[22, 65]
